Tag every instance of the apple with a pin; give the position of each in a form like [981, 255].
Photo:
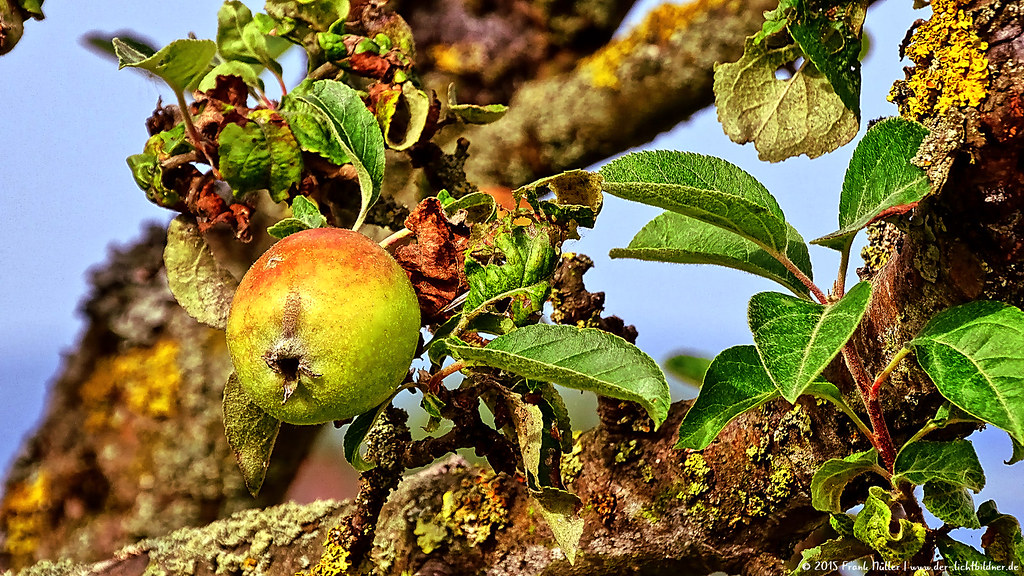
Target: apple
[323, 327]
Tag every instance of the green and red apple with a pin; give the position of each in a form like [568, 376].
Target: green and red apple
[323, 327]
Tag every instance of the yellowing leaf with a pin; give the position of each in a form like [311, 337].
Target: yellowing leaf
[782, 117]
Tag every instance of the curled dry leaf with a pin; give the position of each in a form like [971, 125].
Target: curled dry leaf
[435, 262]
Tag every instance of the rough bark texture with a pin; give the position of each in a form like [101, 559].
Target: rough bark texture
[741, 505]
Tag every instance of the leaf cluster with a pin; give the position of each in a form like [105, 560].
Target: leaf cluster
[718, 214]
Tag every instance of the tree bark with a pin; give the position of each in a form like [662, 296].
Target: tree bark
[741, 505]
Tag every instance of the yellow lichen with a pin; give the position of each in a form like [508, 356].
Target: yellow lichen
[334, 561]
[459, 58]
[145, 380]
[656, 29]
[24, 510]
[950, 67]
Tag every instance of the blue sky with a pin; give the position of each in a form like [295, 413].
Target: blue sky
[68, 119]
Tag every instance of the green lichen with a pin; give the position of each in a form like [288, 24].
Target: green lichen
[572, 465]
[627, 451]
[471, 513]
[698, 475]
[239, 544]
[797, 419]
[781, 482]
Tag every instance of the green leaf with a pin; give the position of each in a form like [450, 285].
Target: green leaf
[538, 448]
[830, 480]
[951, 503]
[874, 527]
[250, 432]
[974, 354]
[824, 558]
[148, 175]
[262, 154]
[412, 107]
[198, 282]
[830, 39]
[561, 511]
[689, 369]
[734, 383]
[528, 260]
[479, 206]
[880, 178]
[305, 215]
[776, 20]
[796, 338]
[249, 73]
[356, 434]
[181, 63]
[240, 38]
[1018, 452]
[1002, 540]
[472, 113]
[330, 119]
[964, 560]
[318, 15]
[954, 461]
[102, 42]
[672, 237]
[33, 7]
[702, 187]
[783, 118]
[578, 358]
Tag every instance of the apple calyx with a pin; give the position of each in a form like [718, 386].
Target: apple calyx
[288, 356]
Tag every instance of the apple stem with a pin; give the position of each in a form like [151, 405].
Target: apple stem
[389, 242]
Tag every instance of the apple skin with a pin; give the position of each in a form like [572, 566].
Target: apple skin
[323, 327]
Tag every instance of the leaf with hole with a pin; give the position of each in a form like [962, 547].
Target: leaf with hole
[974, 353]
[782, 117]
[796, 338]
[577, 358]
[199, 284]
[330, 119]
[680, 239]
[831, 479]
[881, 177]
[250, 432]
[518, 267]
[706, 188]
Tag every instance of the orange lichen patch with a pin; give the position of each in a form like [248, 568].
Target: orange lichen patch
[657, 29]
[950, 67]
[24, 510]
[144, 380]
